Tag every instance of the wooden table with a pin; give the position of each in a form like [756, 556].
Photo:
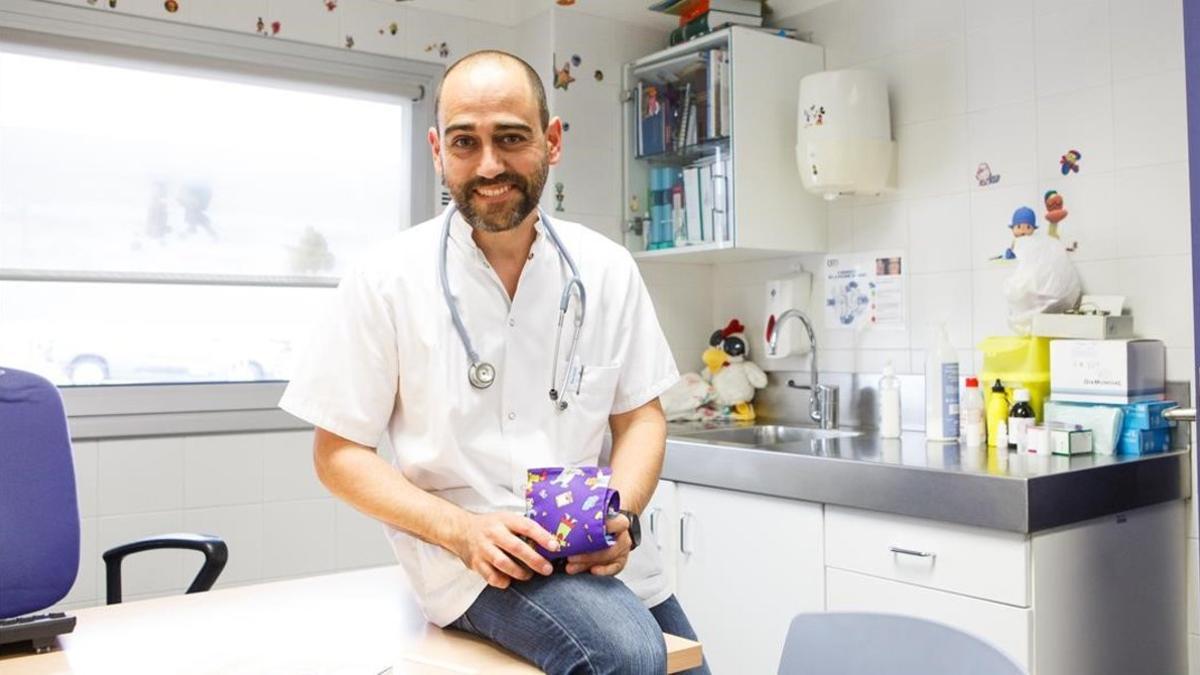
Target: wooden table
[362, 622]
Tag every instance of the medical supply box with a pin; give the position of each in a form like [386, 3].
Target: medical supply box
[1099, 317]
[1107, 371]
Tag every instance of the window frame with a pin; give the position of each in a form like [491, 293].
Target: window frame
[40, 27]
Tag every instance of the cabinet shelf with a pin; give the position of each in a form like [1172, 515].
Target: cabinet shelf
[689, 153]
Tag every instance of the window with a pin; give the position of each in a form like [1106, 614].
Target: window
[166, 223]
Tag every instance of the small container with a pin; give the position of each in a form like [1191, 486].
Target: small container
[972, 413]
[889, 403]
[941, 391]
[1020, 418]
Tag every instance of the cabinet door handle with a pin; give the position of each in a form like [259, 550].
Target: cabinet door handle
[909, 551]
[685, 540]
[655, 514]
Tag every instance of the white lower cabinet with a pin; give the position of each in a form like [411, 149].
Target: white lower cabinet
[1104, 596]
[747, 564]
[1006, 627]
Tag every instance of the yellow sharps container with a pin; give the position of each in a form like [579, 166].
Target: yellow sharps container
[1019, 363]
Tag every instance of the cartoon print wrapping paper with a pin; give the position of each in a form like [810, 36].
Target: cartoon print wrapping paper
[572, 503]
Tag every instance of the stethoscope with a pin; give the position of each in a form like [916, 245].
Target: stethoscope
[482, 374]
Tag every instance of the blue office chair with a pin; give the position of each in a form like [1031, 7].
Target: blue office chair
[39, 517]
[849, 643]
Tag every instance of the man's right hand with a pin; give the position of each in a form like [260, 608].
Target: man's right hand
[491, 544]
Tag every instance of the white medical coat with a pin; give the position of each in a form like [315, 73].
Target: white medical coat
[387, 364]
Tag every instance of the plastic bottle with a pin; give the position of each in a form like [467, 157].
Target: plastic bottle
[997, 412]
[889, 403]
[972, 413]
[1020, 418]
[941, 391]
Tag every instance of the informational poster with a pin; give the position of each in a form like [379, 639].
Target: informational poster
[865, 290]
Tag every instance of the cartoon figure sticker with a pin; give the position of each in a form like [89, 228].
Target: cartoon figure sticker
[1023, 224]
[349, 42]
[331, 5]
[392, 28]
[441, 48]
[562, 76]
[558, 197]
[984, 175]
[814, 116]
[1070, 162]
[598, 75]
[1056, 212]
[171, 6]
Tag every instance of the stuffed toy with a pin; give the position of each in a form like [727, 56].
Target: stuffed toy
[725, 388]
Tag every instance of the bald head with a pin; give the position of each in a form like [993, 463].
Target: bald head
[491, 58]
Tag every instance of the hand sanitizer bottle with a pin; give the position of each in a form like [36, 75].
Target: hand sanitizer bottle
[941, 391]
[889, 403]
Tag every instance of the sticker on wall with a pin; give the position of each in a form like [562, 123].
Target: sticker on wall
[814, 115]
[171, 6]
[566, 3]
[349, 42]
[566, 126]
[599, 75]
[576, 61]
[984, 175]
[112, 4]
[331, 5]
[440, 48]
[1056, 212]
[562, 76]
[1023, 224]
[392, 28]
[1070, 162]
[558, 197]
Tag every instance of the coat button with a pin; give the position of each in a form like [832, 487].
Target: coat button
[512, 416]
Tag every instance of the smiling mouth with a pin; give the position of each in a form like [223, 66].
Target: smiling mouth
[493, 191]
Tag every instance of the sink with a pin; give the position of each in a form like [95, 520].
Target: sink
[765, 435]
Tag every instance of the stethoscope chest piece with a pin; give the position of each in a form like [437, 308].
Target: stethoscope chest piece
[481, 375]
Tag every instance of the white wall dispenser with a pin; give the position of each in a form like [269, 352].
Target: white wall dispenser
[843, 134]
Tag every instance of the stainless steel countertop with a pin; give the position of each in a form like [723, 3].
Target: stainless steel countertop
[941, 481]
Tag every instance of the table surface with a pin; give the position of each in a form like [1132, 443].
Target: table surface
[361, 622]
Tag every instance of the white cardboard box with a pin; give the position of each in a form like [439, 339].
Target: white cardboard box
[1107, 371]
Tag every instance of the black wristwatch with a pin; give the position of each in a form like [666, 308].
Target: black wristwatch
[635, 528]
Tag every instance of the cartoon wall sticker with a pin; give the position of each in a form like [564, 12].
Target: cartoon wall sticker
[392, 28]
[331, 5]
[565, 3]
[171, 6]
[349, 42]
[814, 115]
[112, 4]
[1056, 212]
[558, 197]
[1070, 162]
[441, 48]
[1024, 224]
[260, 27]
[984, 175]
[598, 75]
[566, 126]
[562, 76]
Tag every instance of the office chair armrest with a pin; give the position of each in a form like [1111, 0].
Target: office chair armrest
[216, 553]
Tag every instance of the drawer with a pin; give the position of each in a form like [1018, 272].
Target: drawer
[1007, 628]
[981, 563]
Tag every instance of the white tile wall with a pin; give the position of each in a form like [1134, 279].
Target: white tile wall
[140, 476]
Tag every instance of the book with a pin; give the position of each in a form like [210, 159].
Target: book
[717, 18]
[693, 223]
[653, 114]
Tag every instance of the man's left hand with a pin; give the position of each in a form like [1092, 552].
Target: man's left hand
[611, 560]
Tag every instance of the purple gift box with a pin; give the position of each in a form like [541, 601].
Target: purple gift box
[572, 503]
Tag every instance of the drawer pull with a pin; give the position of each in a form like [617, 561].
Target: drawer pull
[909, 551]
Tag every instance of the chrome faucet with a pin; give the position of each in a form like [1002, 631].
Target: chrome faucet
[823, 400]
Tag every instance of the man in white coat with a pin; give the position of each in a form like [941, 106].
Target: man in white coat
[388, 361]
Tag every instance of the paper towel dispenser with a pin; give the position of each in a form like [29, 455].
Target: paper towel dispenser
[843, 134]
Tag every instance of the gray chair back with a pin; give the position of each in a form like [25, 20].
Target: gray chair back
[837, 643]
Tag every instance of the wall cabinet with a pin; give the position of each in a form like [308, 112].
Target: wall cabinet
[752, 189]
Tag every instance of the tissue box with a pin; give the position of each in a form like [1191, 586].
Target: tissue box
[1144, 441]
[1107, 371]
[1147, 415]
[1083, 326]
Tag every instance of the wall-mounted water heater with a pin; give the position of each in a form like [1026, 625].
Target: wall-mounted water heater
[844, 134]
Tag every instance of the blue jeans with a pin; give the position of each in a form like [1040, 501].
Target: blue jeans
[580, 624]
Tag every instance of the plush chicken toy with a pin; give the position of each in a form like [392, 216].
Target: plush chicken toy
[733, 377]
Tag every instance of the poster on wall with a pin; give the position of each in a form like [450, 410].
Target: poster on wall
[865, 290]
